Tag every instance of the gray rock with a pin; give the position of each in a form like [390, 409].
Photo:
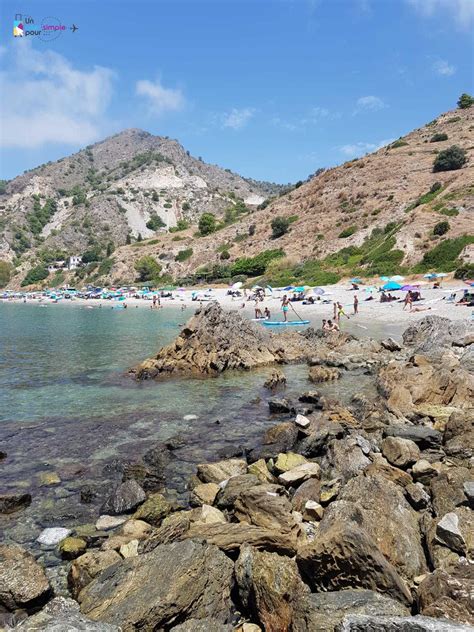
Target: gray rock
[23, 582]
[235, 486]
[448, 533]
[109, 522]
[53, 535]
[278, 406]
[9, 503]
[390, 344]
[124, 499]
[423, 436]
[469, 492]
[361, 623]
[203, 625]
[432, 333]
[417, 496]
[63, 615]
[448, 595]
[171, 583]
[344, 459]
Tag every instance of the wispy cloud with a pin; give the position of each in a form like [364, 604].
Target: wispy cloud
[47, 100]
[237, 118]
[369, 103]
[159, 98]
[312, 117]
[361, 148]
[441, 67]
[462, 11]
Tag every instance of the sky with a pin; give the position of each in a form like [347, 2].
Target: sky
[272, 89]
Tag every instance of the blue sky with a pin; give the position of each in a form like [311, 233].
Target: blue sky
[273, 89]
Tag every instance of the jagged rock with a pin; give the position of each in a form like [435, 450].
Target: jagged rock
[153, 510]
[395, 529]
[433, 333]
[287, 461]
[261, 471]
[440, 555]
[279, 406]
[344, 556]
[417, 496]
[172, 528]
[310, 397]
[282, 437]
[309, 490]
[381, 467]
[215, 340]
[313, 511]
[129, 549]
[447, 489]
[316, 442]
[270, 588]
[400, 452]
[459, 435]
[323, 374]
[262, 506]
[124, 499]
[329, 491]
[423, 471]
[71, 547]
[209, 515]
[109, 522]
[173, 582]
[23, 582]
[277, 379]
[390, 344]
[423, 436]
[230, 537]
[300, 473]
[87, 566]
[448, 595]
[361, 623]
[204, 494]
[203, 625]
[468, 488]
[235, 486]
[9, 503]
[221, 470]
[344, 459]
[448, 533]
[61, 615]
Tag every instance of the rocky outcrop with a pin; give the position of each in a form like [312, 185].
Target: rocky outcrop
[9, 503]
[362, 623]
[213, 341]
[170, 584]
[433, 333]
[448, 595]
[63, 614]
[23, 582]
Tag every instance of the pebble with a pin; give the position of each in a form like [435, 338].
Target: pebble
[109, 522]
[53, 535]
[190, 417]
[302, 421]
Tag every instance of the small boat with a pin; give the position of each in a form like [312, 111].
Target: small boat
[282, 323]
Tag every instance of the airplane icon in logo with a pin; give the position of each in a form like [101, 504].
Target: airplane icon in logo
[73, 28]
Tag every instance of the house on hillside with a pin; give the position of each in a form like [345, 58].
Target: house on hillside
[74, 262]
[56, 265]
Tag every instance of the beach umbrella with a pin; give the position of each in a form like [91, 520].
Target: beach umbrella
[318, 291]
[391, 285]
[355, 280]
[384, 278]
[300, 288]
[440, 275]
[408, 288]
[288, 288]
[430, 275]
[397, 277]
[237, 286]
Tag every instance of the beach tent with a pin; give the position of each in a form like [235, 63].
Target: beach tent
[288, 288]
[318, 291]
[391, 286]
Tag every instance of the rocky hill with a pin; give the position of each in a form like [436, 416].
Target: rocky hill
[384, 212]
[127, 187]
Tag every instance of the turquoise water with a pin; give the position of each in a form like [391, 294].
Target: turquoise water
[68, 406]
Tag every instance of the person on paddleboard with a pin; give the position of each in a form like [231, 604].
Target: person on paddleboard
[285, 306]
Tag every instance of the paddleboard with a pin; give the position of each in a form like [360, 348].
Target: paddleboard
[282, 323]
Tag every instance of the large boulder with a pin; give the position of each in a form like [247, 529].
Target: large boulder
[448, 595]
[433, 333]
[170, 584]
[125, 498]
[344, 459]
[459, 435]
[23, 582]
[345, 556]
[214, 340]
[424, 436]
[153, 510]
[87, 566]
[400, 452]
[221, 470]
[363, 623]
[235, 486]
[447, 489]
[9, 503]
[63, 615]
[263, 506]
[270, 588]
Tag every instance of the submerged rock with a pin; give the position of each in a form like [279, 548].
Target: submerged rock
[170, 584]
[9, 503]
[70, 548]
[23, 582]
[124, 499]
[53, 535]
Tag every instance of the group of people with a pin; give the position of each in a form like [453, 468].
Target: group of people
[329, 325]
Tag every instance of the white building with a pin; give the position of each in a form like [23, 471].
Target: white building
[74, 262]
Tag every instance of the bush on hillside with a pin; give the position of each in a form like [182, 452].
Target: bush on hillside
[207, 224]
[148, 268]
[465, 101]
[450, 159]
[466, 271]
[437, 138]
[184, 254]
[225, 254]
[93, 254]
[5, 273]
[445, 255]
[280, 226]
[441, 228]
[254, 266]
[155, 222]
[39, 273]
[347, 232]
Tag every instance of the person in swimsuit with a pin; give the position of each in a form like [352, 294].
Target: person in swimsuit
[285, 306]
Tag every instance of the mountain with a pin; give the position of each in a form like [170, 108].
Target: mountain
[106, 194]
[384, 212]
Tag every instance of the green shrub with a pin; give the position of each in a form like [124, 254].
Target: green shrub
[466, 271]
[207, 224]
[465, 101]
[41, 215]
[105, 266]
[398, 143]
[155, 222]
[280, 226]
[39, 273]
[454, 119]
[449, 212]
[148, 268]
[452, 158]
[5, 273]
[93, 254]
[181, 224]
[185, 206]
[347, 232]
[441, 228]
[254, 266]
[225, 254]
[445, 255]
[184, 254]
[437, 138]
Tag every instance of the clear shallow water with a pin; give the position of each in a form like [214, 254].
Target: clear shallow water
[67, 405]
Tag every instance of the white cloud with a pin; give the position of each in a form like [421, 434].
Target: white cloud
[237, 118]
[441, 67]
[369, 103]
[47, 100]
[361, 148]
[159, 98]
[319, 112]
[462, 11]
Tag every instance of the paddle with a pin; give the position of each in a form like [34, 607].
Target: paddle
[295, 311]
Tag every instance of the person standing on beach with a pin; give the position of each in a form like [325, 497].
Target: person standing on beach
[356, 304]
[334, 310]
[408, 300]
[285, 306]
[340, 312]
